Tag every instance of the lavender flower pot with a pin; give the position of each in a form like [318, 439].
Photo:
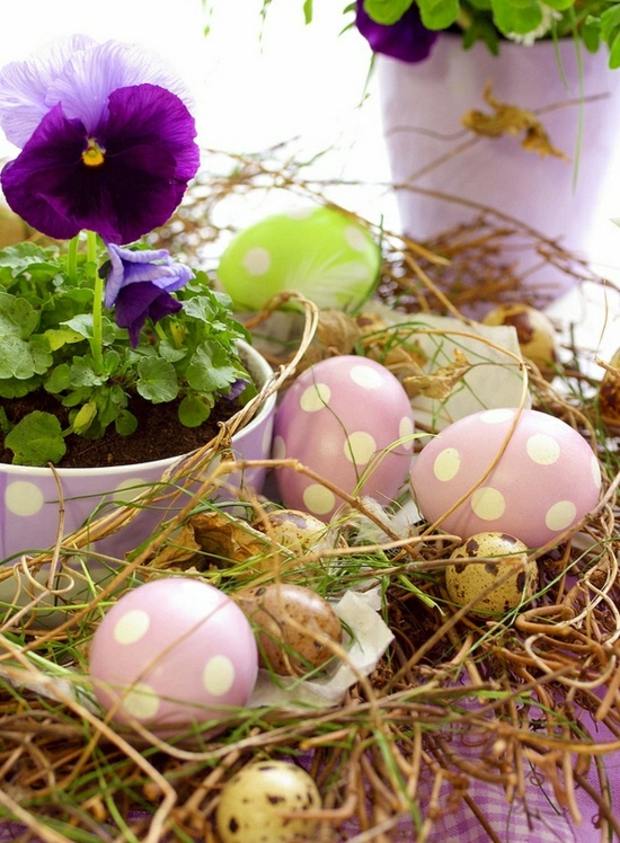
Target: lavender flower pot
[422, 107]
[29, 512]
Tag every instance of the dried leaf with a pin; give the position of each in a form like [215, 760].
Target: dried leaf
[336, 334]
[510, 120]
[440, 383]
[181, 548]
[231, 541]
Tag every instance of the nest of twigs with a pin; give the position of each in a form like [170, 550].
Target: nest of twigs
[525, 706]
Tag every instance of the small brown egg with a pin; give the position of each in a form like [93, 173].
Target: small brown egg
[290, 623]
[465, 581]
[535, 332]
[253, 804]
[609, 392]
[298, 531]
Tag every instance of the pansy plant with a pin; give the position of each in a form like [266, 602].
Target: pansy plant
[107, 147]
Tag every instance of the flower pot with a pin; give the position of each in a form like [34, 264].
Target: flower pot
[29, 515]
[423, 104]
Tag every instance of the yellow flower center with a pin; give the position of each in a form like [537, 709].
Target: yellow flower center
[93, 155]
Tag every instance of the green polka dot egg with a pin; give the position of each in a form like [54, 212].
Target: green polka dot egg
[321, 253]
[515, 575]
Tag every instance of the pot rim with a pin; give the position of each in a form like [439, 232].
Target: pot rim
[258, 366]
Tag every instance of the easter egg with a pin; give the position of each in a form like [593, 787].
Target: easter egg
[515, 575]
[173, 652]
[319, 252]
[545, 481]
[535, 332]
[339, 419]
[291, 623]
[609, 392]
[254, 803]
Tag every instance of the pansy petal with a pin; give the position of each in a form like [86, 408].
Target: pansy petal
[90, 77]
[24, 86]
[139, 255]
[136, 302]
[151, 155]
[407, 40]
[37, 183]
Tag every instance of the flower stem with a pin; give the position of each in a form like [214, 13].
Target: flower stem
[96, 344]
[72, 259]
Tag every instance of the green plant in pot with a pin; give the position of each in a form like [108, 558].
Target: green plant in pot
[114, 359]
[550, 62]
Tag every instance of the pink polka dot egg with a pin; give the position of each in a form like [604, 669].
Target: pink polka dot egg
[173, 652]
[546, 480]
[349, 420]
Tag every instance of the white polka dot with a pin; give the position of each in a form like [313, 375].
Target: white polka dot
[543, 449]
[356, 238]
[142, 701]
[131, 627]
[596, 472]
[447, 464]
[359, 447]
[279, 448]
[257, 261]
[405, 429]
[218, 675]
[561, 515]
[366, 377]
[300, 213]
[488, 503]
[23, 498]
[315, 397]
[497, 416]
[129, 489]
[318, 499]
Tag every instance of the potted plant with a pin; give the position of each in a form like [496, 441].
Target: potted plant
[114, 359]
[436, 59]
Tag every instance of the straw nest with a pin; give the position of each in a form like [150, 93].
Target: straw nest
[530, 697]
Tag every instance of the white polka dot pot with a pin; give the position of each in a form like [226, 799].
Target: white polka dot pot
[29, 515]
[350, 421]
[173, 652]
[546, 480]
[319, 252]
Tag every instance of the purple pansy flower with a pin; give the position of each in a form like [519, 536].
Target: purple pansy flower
[107, 142]
[139, 285]
[406, 40]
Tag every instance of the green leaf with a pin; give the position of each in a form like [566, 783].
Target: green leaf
[386, 12]
[40, 351]
[58, 379]
[36, 440]
[203, 375]
[193, 411]
[5, 424]
[610, 21]
[157, 380]
[125, 423]
[17, 316]
[15, 358]
[591, 35]
[516, 16]
[84, 417]
[57, 337]
[438, 14]
[560, 5]
[614, 53]
[307, 18]
[170, 353]
[82, 324]
[82, 373]
[14, 388]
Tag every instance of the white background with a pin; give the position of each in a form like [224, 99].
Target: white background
[259, 83]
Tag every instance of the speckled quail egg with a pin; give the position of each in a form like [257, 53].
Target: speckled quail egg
[535, 332]
[253, 804]
[299, 531]
[290, 623]
[465, 581]
[609, 392]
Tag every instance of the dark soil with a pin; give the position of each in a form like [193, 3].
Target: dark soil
[159, 434]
